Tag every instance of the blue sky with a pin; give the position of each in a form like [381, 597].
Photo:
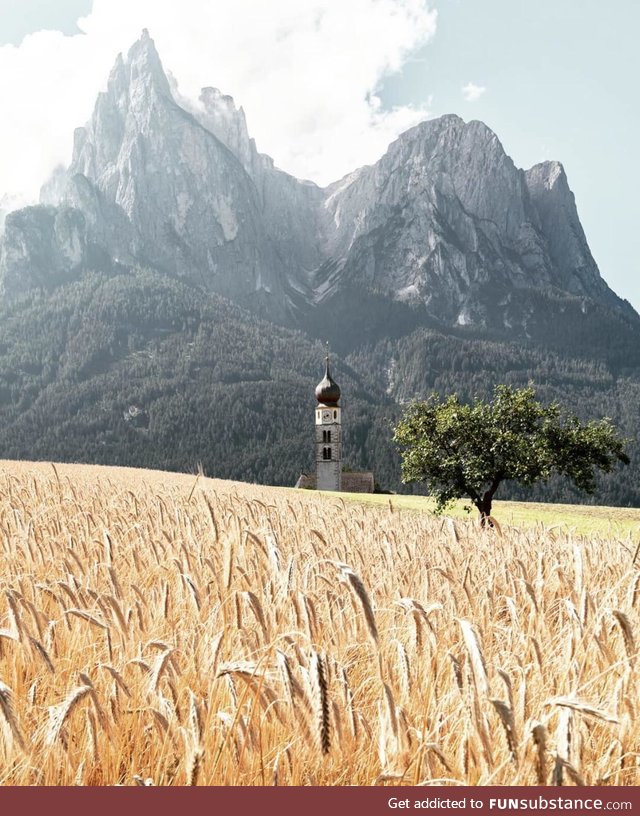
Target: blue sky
[21, 17]
[555, 79]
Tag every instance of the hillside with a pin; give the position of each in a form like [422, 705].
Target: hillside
[136, 368]
[159, 628]
[133, 368]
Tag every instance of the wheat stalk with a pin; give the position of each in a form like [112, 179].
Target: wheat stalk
[8, 713]
[59, 714]
[320, 688]
[478, 665]
[355, 583]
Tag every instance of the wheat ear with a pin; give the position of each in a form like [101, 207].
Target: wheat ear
[6, 707]
[321, 700]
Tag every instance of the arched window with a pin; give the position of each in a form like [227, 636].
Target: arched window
[328, 436]
[326, 453]
[335, 414]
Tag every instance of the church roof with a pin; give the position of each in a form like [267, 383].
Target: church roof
[327, 390]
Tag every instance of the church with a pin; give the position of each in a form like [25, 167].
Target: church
[329, 474]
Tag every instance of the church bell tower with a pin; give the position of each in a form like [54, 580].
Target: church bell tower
[328, 433]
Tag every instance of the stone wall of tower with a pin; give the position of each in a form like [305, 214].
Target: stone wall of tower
[328, 443]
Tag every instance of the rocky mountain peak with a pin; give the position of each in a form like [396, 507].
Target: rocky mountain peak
[136, 83]
[575, 270]
[219, 115]
[135, 103]
[181, 188]
[144, 65]
[547, 175]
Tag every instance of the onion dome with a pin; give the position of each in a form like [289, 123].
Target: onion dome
[327, 390]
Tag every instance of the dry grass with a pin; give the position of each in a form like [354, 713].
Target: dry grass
[157, 631]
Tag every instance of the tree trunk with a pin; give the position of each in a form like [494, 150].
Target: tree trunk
[484, 507]
[485, 501]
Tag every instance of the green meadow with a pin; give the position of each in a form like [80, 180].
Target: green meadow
[609, 522]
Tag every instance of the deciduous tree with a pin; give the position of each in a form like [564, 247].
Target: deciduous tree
[468, 450]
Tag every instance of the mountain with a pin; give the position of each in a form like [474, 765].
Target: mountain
[442, 266]
[188, 194]
[444, 225]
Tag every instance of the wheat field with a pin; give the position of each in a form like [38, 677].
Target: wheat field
[167, 630]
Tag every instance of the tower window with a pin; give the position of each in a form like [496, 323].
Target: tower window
[326, 436]
[335, 414]
[326, 453]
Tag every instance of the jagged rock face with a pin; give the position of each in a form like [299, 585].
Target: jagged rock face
[8, 204]
[443, 226]
[220, 116]
[40, 245]
[446, 221]
[574, 268]
[158, 186]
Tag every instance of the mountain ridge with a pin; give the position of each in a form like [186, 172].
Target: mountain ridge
[441, 216]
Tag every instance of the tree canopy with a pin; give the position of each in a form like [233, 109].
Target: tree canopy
[468, 450]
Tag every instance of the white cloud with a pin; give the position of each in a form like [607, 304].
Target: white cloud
[471, 91]
[305, 73]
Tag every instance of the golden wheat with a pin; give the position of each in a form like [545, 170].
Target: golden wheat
[158, 629]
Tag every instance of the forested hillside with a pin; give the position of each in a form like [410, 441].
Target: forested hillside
[132, 367]
[139, 369]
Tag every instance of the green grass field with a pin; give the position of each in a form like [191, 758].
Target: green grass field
[609, 522]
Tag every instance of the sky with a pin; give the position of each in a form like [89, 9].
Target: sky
[327, 84]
